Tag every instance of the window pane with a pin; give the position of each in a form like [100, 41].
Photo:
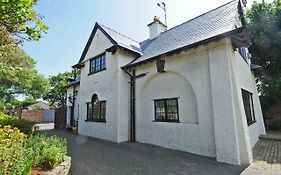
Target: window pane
[103, 109]
[98, 64]
[89, 111]
[96, 111]
[166, 110]
[103, 62]
[248, 107]
[92, 66]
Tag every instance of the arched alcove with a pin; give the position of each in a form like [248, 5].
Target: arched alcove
[169, 85]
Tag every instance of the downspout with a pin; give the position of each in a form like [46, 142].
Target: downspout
[73, 100]
[133, 77]
[72, 109]
[132, 104]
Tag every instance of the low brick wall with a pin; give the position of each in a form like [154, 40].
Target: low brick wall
[32, 115]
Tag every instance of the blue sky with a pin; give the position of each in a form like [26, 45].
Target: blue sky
[71, 22]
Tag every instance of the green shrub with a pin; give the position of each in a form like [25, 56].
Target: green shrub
[46, 151]
[13, 159]
[20, 150]
[24, 126]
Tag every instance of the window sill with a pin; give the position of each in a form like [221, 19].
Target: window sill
[95, 120]
[96, 72]
[166, 121]
[251, 123]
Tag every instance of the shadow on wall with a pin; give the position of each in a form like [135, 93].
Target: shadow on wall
[170, 85]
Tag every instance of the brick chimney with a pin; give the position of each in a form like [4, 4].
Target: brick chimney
[156, 28]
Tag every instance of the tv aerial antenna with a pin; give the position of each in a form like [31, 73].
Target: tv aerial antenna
[162, 5]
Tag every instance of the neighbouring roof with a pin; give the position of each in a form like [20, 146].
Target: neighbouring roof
[210, 26]
[74, 82]
[38, 105]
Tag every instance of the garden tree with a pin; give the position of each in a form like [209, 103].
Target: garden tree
[19, 22]
[264, 27]
[19, 77]
[58, 92]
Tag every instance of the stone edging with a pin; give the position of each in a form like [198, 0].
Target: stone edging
[270, 137]
[61, 169]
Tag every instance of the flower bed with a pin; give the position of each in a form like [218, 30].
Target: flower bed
[22, 151]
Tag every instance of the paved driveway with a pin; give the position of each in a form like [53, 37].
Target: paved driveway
[96, 157]
[267, 156]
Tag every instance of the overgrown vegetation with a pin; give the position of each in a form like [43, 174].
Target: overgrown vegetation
[19, 22]
[46, 151]
[20, 152]
[19, 77]
[24, 126]
[13, 158]
[58, 92]
[264, 28]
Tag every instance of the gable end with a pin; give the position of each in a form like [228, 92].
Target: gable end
[94, 31]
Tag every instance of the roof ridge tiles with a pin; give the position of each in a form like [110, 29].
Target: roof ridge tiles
[198, 16]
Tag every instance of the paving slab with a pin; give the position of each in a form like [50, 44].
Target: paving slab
[98, 157]
[267, 156]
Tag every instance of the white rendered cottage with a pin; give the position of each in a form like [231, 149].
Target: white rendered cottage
[190, 88]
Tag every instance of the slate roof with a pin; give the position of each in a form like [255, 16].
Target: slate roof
[122, 40]
[207, 25]
[204, 28]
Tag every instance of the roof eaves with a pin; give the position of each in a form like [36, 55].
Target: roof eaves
[187, 47]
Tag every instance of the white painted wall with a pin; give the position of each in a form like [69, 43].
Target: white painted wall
[207, 82]
[187, 78]
[76, 104]
[123, 96]
[111, 85]
[246, 80]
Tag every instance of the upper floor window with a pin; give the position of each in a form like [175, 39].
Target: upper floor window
[243, 51]
[97, 64]
[166, 110]
[96, 110]
[248, 106]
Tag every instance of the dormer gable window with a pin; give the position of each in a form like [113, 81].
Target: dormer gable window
[97, 64]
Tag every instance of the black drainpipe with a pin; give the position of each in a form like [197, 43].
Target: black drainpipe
[72, 108]
[132, 104]
[132, 82]
[73, 100]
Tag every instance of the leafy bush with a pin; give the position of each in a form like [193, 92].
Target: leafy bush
[19, 151]
[13, 159]
[46, 151]
[24, 126]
